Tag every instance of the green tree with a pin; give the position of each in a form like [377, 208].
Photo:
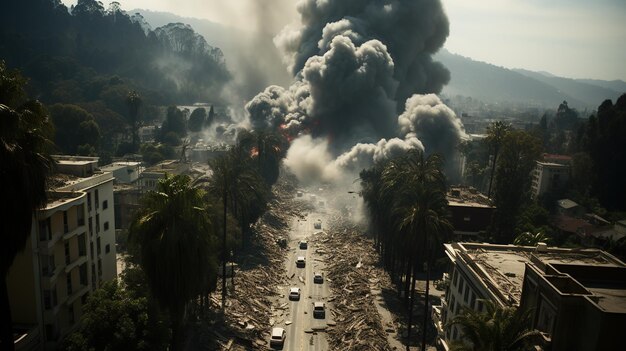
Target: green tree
[174, 122]
[530, 239]
[420, 204]
[175, 240]
[496, 329]
[113, 319]
[24, 169]
[133, 102]
[197, 119]
[74, 127]
[496, 133]
[267, 150]
[517, 159]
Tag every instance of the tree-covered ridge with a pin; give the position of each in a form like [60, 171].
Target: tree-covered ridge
[66, 51]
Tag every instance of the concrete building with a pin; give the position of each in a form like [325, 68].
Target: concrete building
[70, 252]
[570, 208]
[576, 284]
[548, 176]
[124, 172]
[470, 212]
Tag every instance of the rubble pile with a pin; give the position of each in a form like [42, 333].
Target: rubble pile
[351, 264]
[249, 315]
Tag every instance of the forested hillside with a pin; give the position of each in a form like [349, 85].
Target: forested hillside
[87, 59]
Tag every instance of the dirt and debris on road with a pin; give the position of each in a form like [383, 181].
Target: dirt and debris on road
[249, 315]
[352, 266]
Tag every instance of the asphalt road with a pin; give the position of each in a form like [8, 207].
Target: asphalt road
[303, 330]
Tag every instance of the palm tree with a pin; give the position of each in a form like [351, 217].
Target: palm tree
[241, 190]
[495, 136]
[421, 207]
[24, 168]
[267, 148]
[133, 102]
[529, 239]
[496, 329]
[175, 235]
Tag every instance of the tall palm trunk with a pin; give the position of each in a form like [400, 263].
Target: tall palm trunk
[426, 296]
[224, 195]
[413, 280]
[6, 322]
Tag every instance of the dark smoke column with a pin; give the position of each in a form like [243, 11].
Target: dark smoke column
[412, 31]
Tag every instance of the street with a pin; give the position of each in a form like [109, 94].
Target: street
[304, 332]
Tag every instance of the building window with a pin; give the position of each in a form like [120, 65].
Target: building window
[93, 276]
[454, 333]
[66, 246]
[80, 217]
[45, 230]
[100, 269]
[70, 314]
[68, 283]
[97, 200]
[82, 245]
[66, 227]
[98, 246]
[479, 306]
[50, 334]
[452, 304]
[88, 202]
[91, 248]
[466, 294]
[83, 274]
[107, 248]
[106, 225]
[455, 277]
[47, 299]
[90, 227]
[83, 299]
[105, 204]
[461, 283]
[97, 223]
[48, 265]
[472, 300]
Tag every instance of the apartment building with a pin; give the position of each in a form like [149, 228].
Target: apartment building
[70, 252]
[557, 284]
[548, 176]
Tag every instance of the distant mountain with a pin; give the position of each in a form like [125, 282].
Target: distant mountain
[591, 93]
[616, 85]
[495, 84]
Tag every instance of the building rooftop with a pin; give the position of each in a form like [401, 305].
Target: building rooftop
[552, 164]
[467, 196]
[501, 267]
[119, 165]
[567, 203]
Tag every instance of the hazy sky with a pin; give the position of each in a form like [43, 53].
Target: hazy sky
[570, 38]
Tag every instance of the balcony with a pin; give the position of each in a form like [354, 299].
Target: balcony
[47, 245]
[76, 263]
[82, 290]
[78, 230]
[50, 275]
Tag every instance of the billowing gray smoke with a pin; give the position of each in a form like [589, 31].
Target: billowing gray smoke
[355, 64]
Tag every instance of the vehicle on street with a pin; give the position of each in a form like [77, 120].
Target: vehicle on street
[318, 224]
[278, 337]
[304, 245]
[299, 194]
[294, 294]
[319, 310]
[318, 278]
[300, 262]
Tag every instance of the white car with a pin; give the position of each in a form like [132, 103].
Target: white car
[318, 278]
[294, 294]
[300, 262]
[278, 337]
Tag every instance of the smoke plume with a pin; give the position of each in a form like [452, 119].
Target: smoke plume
[360, 68]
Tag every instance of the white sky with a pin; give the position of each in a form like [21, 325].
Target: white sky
[570, 38]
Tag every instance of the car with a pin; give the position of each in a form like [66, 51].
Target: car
[278, 337]
[318, 278]
[319, 310]
[299, 194]
[318, 224]
[300, 261]
[303, 245]
[294, 294]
